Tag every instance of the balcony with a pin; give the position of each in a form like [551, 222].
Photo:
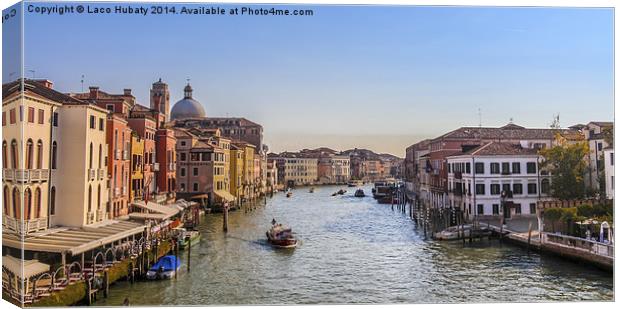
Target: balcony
[125, 155]
[156, 167]
[23, 227]
[101, 174]
[171, 166]
[90, 217]
[26, 176]
[117, 191]
[101, 215]
[92, 174]
[117, 154]
[458, 175]
[124, 190]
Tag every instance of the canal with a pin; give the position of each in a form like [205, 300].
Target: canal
[354, 250]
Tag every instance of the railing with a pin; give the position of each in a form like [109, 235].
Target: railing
[92, 174]
[591, 246]
[171, 166]
[124, 190]
[458, 175]
[101, 174]
[117, 191]
[125, 155]
[156, 167]
[100, 215]
[117, 154]
[25, 175]
[90, 217]
[23, 227]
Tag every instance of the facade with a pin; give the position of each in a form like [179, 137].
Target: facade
[136, 176]
[233, 128]
[272, 176]
[145, 128]
[296, 170]
[609, 172]
[118, 137]
[496, 179]
[334, 169]
[594, 133]
[236, 171]
[166, 160]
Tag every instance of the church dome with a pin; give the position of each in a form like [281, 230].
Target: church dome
[187, 107]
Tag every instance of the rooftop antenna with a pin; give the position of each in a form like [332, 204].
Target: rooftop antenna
[511, 120]
[187, 79]
[82, 82]
[33, 73]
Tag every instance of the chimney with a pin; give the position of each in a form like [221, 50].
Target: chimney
[45, 82]
[94, 92]
[127, 91]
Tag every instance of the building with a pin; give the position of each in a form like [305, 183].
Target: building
[296, 170]
[334, 169]
[136, 185]
[496, 179]
[248, 184]
[234, 128]
[145, 128]
[237, 162]
[596, 133]
[412, 164]
[609, 172]
[272, 176]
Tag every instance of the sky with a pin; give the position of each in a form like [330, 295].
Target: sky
[377, 77]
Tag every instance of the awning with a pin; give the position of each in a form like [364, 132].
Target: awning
[225, 195]
[160, 211]
[30, 268]
[200, 196]
[74, 240]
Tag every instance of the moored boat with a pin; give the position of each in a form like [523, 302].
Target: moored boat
[281, 236]
[289, 194]
[311, 190]
[185, 237]
[165, 268]
[359, 193]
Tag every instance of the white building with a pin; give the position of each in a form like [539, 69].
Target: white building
[295, 170]
[477, 178]
[594, 133]
[609, 172]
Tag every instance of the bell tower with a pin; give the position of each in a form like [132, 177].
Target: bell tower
[160, 98]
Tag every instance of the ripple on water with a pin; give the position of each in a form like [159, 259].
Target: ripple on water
[354, 250]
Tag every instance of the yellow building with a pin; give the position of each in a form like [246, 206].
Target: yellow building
[136, 183]
[248, 182]
[236, 171]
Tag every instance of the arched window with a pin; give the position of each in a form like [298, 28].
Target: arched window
[115, 140]
[39, 154]
[16, 204]
[14, 154]
[54, 154]
[90, 198]
[27, 203]
[98, 197]
[53, 201]
[90, 158]
[4, 155]
[545, 186]
[100, 155]
[37, 202]
[5, 201]
[29, 150]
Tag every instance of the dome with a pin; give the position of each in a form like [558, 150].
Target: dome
[187, 107]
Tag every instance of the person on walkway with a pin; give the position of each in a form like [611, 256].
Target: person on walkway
[126, 301]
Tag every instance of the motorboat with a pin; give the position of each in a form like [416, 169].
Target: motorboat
[186, 237]
[165, 268]
[289, 194]
[311, 190]
[359, 193]
[458, 232]
[281, 236]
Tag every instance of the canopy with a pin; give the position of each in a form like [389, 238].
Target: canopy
[153, 211]
[30, 269]
[224, 195]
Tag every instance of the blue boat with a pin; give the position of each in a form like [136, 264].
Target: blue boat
[165, 268]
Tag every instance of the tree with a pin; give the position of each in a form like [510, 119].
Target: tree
[553, 215]
[567, 165]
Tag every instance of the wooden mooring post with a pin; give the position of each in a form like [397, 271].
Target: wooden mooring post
[225, 223]
[529, 237]
[189, 253]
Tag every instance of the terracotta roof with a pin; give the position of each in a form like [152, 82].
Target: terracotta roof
[509, 131]
[38, 88]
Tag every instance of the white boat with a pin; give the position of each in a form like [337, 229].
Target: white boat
[458, 232]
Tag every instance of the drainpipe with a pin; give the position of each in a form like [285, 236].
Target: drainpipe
[49, 173]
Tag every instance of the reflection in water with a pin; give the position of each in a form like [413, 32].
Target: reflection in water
[354, 250]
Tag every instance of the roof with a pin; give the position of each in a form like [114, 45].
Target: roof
[160, 211]
[24, 268]
[602, 123]
[40, 89]
[498, 149]
[74, 240]
[510, 131]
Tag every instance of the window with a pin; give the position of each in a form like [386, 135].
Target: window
[55, 119]
[496, 209]
[90, 156]
[599, 146]
[518, 209]
[506, 187]
[516, 168]
[41, 116]
[479, 168]
[110, 107]
[92, 122]
[29, 153]
[37, 202]
[54, 153]
[12, 116]
[195, 172]
[183, 156]
[39, 154]
[31, 114]
[531, 167]
[3, 119]
[4, 155]
[468, 168]
[14, 158]
[495, 189]
[480, 209]
[611, 159]
[517, 188]
[545, 186]
[5, 200]
[182, 172]
[182, 143]
[505, 168]
[494, 168]
[531, 188]
[101, 124]
[532, 208]
[480, 188]
[195, 186]
[90, 198]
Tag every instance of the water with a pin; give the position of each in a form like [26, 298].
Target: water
[354, 250]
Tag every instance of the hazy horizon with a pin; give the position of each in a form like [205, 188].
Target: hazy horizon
[375, 77]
